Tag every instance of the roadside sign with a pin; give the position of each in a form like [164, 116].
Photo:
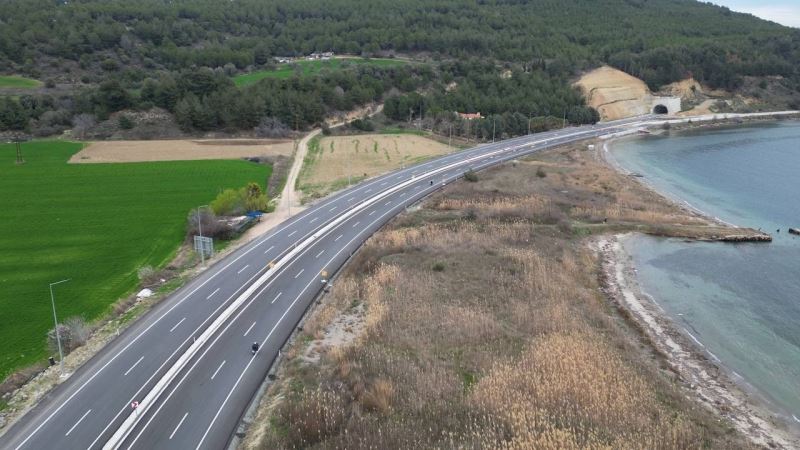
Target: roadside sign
[204, 245]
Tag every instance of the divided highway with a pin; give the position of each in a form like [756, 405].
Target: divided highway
[188, 362]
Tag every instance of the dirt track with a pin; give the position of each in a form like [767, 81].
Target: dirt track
[180, 150]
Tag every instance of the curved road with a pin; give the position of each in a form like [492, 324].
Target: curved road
[188, 362]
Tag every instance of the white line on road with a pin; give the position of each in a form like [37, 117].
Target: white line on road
[387, 203]
[298, 273]
[267, 250]
[351, 199]
[340, 236]
[402, 194]
[320, 254]
[373, 212]
[212, 294]
[176, 325]
[242, 269]
[179, 425]
[277, 296]
[368, 191]
[384, 183]
[356, 224]
[220, 366]
[215, 341]
[314, 219]
[292, 233]
[249, 328]
[134, 365]
[78, 422]
[333, 209]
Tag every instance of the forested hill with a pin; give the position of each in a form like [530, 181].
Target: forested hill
[657, 40]
[109, 65]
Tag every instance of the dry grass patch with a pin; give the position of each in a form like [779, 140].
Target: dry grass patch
[181, 150]
[331, 160]
[509, 345]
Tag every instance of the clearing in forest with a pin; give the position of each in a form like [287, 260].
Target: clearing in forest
[181, 150]
[312, 67]
[333, 162]
[13, 81]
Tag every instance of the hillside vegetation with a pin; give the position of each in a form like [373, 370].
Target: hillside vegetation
[180, 56]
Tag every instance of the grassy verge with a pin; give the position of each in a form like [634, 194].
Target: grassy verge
[308, 68]
[484, 326]
[13, 81]
[96, 224]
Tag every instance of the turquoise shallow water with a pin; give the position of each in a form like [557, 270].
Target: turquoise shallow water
[740, 301]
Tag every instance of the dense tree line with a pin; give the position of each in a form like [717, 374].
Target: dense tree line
[661, 41]
[179, 55]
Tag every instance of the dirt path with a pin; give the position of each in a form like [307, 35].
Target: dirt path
[289, 200]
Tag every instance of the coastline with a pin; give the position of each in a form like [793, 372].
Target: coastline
[708, 379]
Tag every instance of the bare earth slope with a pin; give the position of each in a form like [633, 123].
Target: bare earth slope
[615, 94]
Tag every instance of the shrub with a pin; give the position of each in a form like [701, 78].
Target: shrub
[540, 172]
[438, 267]
[471, 176]
[147, 274]
[73, 333]
[125, 122]
[228, 203]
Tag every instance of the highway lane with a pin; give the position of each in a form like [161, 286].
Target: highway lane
[86, 410]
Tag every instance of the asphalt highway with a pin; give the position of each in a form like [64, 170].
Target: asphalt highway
[188, 361]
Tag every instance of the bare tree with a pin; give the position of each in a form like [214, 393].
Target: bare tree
[81, 125]
[270, 127]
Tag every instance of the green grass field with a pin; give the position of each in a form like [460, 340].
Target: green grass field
[306, 68]
[93, 223]
[13, 81]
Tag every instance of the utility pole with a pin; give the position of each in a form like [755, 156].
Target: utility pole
[450, 139]
[565, 119]
[530, 116]
[494, 125]
[55, 320]
[19, 153]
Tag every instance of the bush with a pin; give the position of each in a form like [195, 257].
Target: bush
[73, 333]
[147, 274]
[125, 122]
[363, 125]
[471, 176]
[438, 267]
[540, 172]
[228, 203]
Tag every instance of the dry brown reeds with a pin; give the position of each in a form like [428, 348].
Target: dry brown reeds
[511, 346]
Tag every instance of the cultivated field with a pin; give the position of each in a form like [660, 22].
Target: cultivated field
[13, 81]
[331, 160]
[180, 150]
[478, 322]
[312, 67]
[96, 224]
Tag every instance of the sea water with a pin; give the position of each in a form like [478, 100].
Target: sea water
[740, 302]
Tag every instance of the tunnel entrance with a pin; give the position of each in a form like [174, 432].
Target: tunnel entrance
[660, 109]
